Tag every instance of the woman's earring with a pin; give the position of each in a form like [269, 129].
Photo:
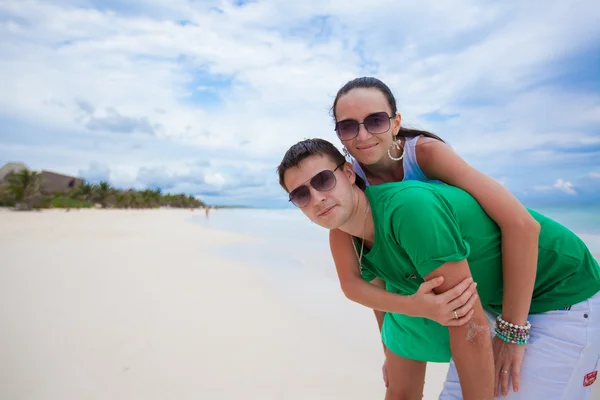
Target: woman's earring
[396, 143]
[346, 152]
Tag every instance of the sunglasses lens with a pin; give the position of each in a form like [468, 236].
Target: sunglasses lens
[377, 123]
[346, 130]
[323, 181]
[300, 196]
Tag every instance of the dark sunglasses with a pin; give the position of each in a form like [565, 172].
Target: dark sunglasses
[376, 123]
[324, 181]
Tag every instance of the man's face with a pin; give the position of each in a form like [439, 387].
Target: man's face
[330, 209]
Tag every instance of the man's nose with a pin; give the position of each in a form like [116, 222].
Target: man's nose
[317, 196]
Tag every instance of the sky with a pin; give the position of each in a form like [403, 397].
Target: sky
[205, 97]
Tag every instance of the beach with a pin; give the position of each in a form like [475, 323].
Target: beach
[169, 304]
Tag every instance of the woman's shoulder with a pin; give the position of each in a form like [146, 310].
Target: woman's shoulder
[423, 140]
[427, 147]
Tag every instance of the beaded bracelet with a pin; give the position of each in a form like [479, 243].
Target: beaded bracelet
[512, 333]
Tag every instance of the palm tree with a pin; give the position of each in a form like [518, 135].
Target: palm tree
[104, 193]
[24, 187]
[123, 199]
[83, 192]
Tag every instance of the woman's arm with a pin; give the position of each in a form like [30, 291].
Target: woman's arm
[425, 303]
[520, 231]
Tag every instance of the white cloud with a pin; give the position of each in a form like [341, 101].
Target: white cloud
[595, 175]
[565, 186]
[560, 185]
[215, 179]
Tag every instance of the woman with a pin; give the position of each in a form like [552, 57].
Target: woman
[369, 126]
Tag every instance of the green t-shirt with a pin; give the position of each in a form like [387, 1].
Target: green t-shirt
[420, 226]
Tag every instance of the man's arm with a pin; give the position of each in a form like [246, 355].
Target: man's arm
[471, 343]
[425, 303]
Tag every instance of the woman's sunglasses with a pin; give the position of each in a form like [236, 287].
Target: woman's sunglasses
[376, 123]
[324, 181]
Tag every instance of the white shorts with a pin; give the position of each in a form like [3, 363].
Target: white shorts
[562, 357]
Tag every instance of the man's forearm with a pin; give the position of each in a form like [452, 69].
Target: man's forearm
[471, 347]
[379, 299]
[519, 267]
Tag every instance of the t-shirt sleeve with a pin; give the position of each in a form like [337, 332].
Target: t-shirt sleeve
[425, 225]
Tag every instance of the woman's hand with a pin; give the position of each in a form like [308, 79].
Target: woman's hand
[508, 358]
[452, 308]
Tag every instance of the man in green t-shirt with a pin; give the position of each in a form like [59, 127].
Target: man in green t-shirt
[410, 232]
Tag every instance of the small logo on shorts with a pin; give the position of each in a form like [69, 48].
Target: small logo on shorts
[590, 378]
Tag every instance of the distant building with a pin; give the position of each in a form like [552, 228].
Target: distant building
[53, 182]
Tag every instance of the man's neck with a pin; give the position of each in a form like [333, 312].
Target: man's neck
[360, 223]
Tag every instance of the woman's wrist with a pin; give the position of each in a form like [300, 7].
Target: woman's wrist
[512, 333]
[515, 313]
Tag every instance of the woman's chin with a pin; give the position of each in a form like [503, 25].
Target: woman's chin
[368, 159]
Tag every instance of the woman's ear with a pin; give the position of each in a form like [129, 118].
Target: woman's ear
[396, 123]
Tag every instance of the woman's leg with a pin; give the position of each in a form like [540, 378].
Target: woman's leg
[406, 378]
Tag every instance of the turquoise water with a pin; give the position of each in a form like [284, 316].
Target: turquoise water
[583, 220]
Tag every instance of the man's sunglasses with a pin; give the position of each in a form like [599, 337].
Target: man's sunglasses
[324, 181]
[376, 123]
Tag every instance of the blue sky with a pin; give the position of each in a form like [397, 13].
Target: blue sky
[204, 97]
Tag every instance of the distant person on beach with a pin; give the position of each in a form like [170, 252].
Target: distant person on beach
[369, 126]
[206, 211]
[411, 232]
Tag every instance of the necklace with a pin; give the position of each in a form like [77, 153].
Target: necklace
[363, 238]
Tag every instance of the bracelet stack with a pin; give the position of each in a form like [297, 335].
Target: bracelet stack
[512, 333]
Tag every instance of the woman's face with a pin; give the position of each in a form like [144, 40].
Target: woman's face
[367, 147]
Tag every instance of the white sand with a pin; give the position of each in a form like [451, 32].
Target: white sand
[101, 304]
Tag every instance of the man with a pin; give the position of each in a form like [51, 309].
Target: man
[411, 232]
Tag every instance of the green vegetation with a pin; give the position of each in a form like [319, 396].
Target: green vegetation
[24, 191]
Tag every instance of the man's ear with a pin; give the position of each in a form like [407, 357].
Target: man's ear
[349, 171]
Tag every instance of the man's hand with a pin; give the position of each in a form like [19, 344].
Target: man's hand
[452, 308]
[508, 358]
